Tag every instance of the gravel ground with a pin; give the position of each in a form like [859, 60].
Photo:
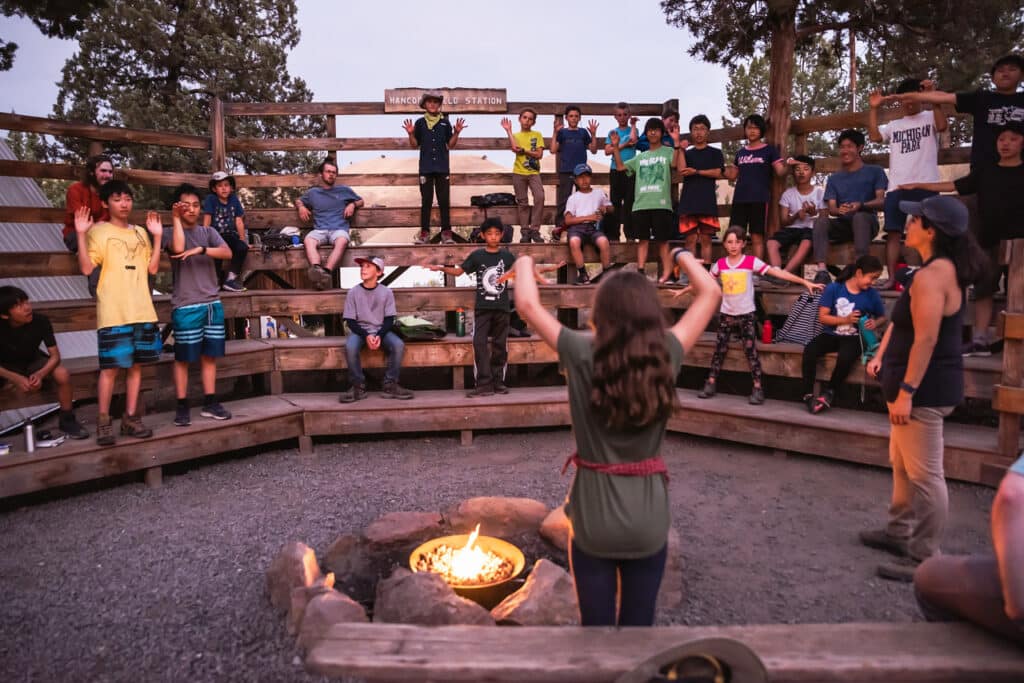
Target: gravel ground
[124, 583]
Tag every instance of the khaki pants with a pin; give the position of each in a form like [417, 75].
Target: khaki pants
[529, 217]
[920, 501]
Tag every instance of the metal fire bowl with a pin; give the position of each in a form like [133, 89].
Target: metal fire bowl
[487, 543]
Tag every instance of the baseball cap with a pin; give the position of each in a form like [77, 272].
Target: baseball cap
[219, 176]
[431, 95]
[580, 170]
[729, 661]
[946, 213]
[375, 260]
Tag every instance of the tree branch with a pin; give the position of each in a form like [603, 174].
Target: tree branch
[812, 29]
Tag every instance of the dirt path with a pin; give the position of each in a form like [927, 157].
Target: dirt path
[127, 583]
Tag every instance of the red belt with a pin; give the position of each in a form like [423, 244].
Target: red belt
[641, 468]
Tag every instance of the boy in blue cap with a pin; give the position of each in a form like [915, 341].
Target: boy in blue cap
[583, 210]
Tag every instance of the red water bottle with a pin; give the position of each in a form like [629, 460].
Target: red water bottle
[766, 332]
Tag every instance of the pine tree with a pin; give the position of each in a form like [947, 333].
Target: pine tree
[55, 18]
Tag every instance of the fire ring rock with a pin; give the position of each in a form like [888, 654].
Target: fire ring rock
[548, 598]
[424, 598]
[294, 567]
[497, 516]
[403, 527]
[556, 528]
[324, 611]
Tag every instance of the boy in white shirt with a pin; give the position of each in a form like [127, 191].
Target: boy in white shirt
[583, 211]
[913, 158]
[799, 206]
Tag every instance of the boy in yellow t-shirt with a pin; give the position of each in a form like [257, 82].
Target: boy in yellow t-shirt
[529, 148]
[125, 318]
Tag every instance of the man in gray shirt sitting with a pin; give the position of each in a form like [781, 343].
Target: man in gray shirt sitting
[370, 315]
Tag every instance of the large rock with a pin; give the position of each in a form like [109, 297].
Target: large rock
[556, 528]
[348, 556]
[548, 598]
[324, 611]
[301, 597]
[670, 595]
[403, 527]
[424, 598]
[497, 516]
[294, 567]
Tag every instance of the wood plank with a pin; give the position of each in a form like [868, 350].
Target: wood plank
[823, 653]
[372, 108]
[1008, 399]
[254, 421]
[89, 131]
[1013, 325]
[1013, 364]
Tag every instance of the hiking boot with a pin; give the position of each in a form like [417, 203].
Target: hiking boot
[709, 390]
[131, 425]
[216, 411]
[880, 539]
[899, 569]
[395, 390]
[535, 236]
[422, 237]
[447, 237]
[71, 426]
[480, 390]
[581, 277]
[500, 388]
[356, 393]
[976, 349]
[822, 278]
[182, 416]
[313, 273]
[556, 234]
[104, 431]
[757, 396]
[233, 285]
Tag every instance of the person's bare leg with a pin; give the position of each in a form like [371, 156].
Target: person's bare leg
[604, 251]
[796, 262]
[705, 248]
[63, 379]
[757, 245]
[132, 384]
[105, 390]
[982, 317]
[774, 254]
[312, 251]
[641, 254]
[576, 251]
[892, 256]
[208, 370]
[336, 253]
[666, 262]
[180, 379]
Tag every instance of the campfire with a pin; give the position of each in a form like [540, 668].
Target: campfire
[468, 561]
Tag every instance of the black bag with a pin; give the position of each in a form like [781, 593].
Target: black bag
[278, 239]
[493, 199]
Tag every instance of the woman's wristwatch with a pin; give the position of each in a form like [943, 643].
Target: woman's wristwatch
[909, 388]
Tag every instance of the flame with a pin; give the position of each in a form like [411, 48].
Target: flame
[469, 562]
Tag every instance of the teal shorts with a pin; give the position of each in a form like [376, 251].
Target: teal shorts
[123, 346]
[198, 331]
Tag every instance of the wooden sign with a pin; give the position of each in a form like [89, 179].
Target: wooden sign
[456, 100]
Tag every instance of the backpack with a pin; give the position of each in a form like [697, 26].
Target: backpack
[869, 342]
[279, 239]
[411, 328]
[493, 199]
[802, 324]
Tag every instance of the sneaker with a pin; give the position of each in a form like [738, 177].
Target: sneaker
[356, 393]
[104, 431]
[808, 401]
[880, 539]
[556, 234]
[582, 278]
[233, 285]
[709, 390]
[899, 569]
[422, 237]
[447, 237]
[822, 278]
[537, 237]
[182, 417]
[395, 390]
[216, 411]
[131, 425]
[500, 388]
[72, 427]
[976, 349]
[823, 402]
[524, 236]
[48, 439]
[480, 390]
[757, 396]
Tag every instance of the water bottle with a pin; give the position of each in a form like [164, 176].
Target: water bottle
[295, 241]
[766, 332]
[460, 322]
[30, 438]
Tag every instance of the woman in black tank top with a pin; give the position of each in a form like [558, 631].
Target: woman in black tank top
[920, 367]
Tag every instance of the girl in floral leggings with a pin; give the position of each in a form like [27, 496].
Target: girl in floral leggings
[736, 273]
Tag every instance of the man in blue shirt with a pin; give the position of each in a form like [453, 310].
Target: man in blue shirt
[330, 207]
[854, 194]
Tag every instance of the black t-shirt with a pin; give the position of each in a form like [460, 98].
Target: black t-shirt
[698, 196]
[19, 346]
[489, 267]
[1000, 191]
[990, 110]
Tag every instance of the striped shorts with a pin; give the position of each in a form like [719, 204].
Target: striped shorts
[123, 346]
[198, 331]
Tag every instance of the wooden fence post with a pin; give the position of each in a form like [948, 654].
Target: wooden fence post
[1008, 393]
[332, 132]
[218, 157]
[95, 147]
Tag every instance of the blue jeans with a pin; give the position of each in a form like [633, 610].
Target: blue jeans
[600, 580]
[391, 344]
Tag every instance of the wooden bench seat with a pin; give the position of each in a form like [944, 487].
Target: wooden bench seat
[792, 653]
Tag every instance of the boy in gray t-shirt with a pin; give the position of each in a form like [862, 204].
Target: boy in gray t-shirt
[198, 316]
[370, 315]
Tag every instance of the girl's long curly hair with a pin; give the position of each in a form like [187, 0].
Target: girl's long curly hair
[633, 384]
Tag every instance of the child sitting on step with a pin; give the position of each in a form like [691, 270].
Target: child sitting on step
[736, 273]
